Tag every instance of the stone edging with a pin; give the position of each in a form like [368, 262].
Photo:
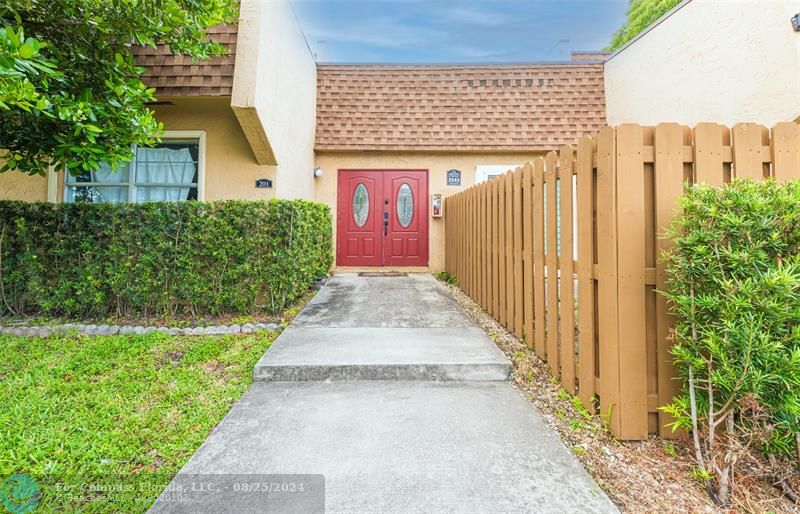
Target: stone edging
[110, 330]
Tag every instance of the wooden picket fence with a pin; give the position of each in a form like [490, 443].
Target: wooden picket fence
[593, 312]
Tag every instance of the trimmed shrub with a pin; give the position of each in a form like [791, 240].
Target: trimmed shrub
[159, 259]
[734, 286]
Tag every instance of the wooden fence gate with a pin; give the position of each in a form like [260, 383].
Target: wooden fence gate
[565, 252]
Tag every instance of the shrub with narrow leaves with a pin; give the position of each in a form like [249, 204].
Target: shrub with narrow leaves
[93, 260]
[734, 287]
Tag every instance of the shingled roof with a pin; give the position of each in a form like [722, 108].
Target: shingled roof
[458, 107]
[177, 75]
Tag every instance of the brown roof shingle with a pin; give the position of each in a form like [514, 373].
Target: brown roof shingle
[177, 75]
[457, 107]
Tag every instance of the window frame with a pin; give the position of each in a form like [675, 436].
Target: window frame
[169, 135]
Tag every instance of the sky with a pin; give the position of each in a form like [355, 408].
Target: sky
[450, 31]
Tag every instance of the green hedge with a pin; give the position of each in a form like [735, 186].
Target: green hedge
[159, 259]
[734, 287]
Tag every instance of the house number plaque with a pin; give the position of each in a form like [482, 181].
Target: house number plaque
[453, 178]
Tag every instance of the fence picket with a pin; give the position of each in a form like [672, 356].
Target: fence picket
[484, 247]
[460, 256]
[509, 250]
[539, 310]
[527, 253]
[481, 234]
[473, 237]
[786, 151]
[567, 271]
[669, 172]
[607, 306]
[476, 267]
[501, 247]
[516, 276]
[585, 265]
[750, 155]
[631, 285]
[495, 253]
[551, 260]
[710, 140]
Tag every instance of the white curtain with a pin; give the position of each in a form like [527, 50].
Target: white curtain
[106, 175]
[163, 165]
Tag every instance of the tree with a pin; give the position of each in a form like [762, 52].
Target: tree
[641, 14]
[71, 94]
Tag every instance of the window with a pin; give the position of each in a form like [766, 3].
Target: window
[405, 205]
[488, 172]
[170, 171]
[485, 172]
[360, 205]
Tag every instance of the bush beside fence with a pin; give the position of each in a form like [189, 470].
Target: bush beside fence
[734, 288]
[595, 316]
[159, 259]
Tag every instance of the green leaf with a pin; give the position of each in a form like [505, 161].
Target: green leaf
[26, 51]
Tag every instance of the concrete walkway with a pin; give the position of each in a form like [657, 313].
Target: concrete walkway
[383, 396]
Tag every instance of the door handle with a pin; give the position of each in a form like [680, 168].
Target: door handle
[385, 223]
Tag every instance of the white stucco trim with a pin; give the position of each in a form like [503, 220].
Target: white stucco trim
[52, 185]
[274, 93]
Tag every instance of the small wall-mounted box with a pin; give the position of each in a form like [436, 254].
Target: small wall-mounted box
[436, 205]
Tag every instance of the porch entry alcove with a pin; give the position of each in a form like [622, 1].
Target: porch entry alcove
[382, 218]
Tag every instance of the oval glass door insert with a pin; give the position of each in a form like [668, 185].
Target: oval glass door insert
[405, 205]
[360, 204]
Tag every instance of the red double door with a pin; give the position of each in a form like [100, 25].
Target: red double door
[382, 218]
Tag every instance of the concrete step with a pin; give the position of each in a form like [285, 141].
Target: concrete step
[439, 354]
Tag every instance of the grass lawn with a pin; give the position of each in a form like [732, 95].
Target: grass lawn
[118, 411]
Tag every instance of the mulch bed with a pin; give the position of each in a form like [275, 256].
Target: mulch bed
[639, 476]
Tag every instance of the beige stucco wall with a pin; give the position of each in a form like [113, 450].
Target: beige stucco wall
[711, 60]
[437, 166]
[274, 91]
[231, 168]
[18, 186]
